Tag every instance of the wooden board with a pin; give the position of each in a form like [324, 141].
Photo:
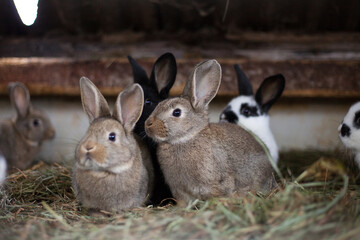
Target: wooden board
[325, 66]
[60, 76]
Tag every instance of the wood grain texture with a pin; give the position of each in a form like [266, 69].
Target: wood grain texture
[60, 76]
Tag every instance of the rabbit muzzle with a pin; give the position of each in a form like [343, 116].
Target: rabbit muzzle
[345, 130]
[155, 127]
[50, 134]
[229, 116]
[91, 151]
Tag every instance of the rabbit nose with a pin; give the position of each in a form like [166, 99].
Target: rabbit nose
[89, 147]
[229, 116]
[345, 130]
[51, 133]
[223, 118]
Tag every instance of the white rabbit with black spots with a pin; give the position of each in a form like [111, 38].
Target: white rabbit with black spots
[251, 111]
[349, 131]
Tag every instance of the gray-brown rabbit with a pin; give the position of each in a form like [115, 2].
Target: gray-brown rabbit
[22, 136]
[199, 159]
[113, 169]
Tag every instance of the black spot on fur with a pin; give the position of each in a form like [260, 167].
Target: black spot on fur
[248, 111]
[357, 120]
[345, 130]
[229, 115]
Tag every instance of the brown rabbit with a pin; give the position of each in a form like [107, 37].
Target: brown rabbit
[113, 170]
[199, 159]
[22, 136]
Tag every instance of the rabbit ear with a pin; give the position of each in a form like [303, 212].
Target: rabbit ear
[139, 73]
[269, 91]
[244, 85]
[129, 105]
[94, 103]
[203, 84]
[20, 98]
[164, 73]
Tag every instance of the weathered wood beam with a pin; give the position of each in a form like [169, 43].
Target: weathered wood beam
[60, 76]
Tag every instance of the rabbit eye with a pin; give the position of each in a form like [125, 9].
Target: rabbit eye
[248, 111]
[245, 111]
[357, 119]
[112, 137]
[36, 122]
[148, 102]
[176, 112]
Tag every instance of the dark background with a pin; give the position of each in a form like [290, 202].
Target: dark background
[59, 17]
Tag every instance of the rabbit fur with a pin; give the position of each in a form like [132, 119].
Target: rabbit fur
[22, 136]
[251, 111]
[113, 170]
[199, 159]
[156, 89]
[3, 168]
[349, 131]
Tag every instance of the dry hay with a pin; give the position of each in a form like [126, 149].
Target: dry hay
[39, 204]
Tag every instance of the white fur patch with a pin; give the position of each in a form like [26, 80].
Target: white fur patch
[236, 103]
[121, 168]
[353, 141]
[357, 159]
[259, 125]
[3, 168]
[98, 167]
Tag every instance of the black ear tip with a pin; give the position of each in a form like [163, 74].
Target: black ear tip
[131, 59]
[240, 73]
[281, 78]
[167, 56]
[277, 77]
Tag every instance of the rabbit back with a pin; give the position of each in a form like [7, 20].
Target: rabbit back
[222, 160]
[201, 159]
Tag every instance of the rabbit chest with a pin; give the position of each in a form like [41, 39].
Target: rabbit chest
[196, 169]
[17, 151]
[108, 191]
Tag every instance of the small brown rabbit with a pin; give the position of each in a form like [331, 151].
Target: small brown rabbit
[22, 136]
[113, 170]
[199, 159]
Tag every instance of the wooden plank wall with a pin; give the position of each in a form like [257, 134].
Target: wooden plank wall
[61, 76]
[218, 16]
[319, 58]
